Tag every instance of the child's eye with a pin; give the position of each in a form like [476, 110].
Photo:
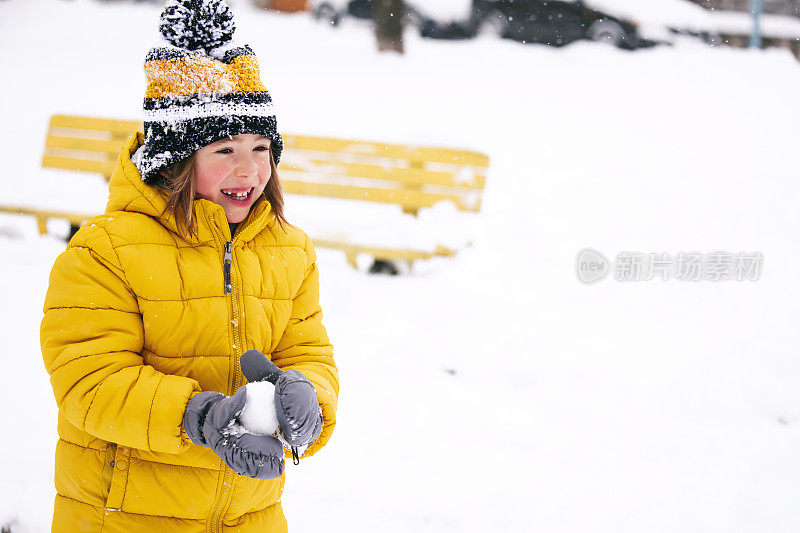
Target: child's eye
[261, 148]
[225, 151]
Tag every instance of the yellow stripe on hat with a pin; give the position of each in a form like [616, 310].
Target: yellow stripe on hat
[245, 68]
[201, 74]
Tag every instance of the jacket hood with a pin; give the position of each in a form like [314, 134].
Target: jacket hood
[127, 192]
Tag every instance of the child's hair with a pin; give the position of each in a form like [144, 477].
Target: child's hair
[179, 182]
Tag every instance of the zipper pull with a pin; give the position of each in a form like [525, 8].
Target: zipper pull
[295, 456]
[227, 266]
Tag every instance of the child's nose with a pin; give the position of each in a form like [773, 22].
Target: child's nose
[247, 165]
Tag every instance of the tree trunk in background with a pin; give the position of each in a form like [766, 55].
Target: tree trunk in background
[388, 17]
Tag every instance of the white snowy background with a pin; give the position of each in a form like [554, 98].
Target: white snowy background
[493, 391]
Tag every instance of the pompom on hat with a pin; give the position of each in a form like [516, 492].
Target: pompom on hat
[201, 87]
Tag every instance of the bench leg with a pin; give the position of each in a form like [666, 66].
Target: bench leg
[41, 222]
[351, 258]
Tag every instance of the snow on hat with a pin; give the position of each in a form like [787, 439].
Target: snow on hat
[201, 87]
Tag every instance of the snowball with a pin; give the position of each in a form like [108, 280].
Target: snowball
[258, 416]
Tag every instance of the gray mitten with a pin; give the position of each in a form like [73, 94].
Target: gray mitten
[208, 420]
[296, 404]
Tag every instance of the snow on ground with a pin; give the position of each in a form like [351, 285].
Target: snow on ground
[492, 391]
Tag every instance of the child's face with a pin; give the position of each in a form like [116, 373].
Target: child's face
[238, 164]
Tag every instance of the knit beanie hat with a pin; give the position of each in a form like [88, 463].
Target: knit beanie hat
[201, 87]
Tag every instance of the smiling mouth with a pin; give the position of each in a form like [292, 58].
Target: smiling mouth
[238, 195]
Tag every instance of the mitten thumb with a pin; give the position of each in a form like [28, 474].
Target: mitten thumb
[257, 367]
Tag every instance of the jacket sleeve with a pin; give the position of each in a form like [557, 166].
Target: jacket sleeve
[305, 347]
[92, 338]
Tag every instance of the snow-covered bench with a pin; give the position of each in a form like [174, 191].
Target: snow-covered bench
[394, 203]
[80, 144]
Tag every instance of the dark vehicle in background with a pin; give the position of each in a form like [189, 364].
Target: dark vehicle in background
[552, 22]
[333, 11]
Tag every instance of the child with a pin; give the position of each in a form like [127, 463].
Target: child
[153, 304]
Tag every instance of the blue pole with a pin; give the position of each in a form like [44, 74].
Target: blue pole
[755, 37]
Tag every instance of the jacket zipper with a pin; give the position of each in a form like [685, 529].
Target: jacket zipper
[108, 470]
[227, 481]
[226, 262]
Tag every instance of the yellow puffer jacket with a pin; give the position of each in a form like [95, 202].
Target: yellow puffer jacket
[136, 321]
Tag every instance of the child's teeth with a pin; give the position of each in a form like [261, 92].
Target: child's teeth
[241, 195]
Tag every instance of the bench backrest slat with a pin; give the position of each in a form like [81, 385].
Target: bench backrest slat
[397, 151]
[318, 170]
[83, 165]
[109, 147]
[407, 198]
[116, 128]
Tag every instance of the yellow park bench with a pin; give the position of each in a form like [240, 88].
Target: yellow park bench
[411, 177]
